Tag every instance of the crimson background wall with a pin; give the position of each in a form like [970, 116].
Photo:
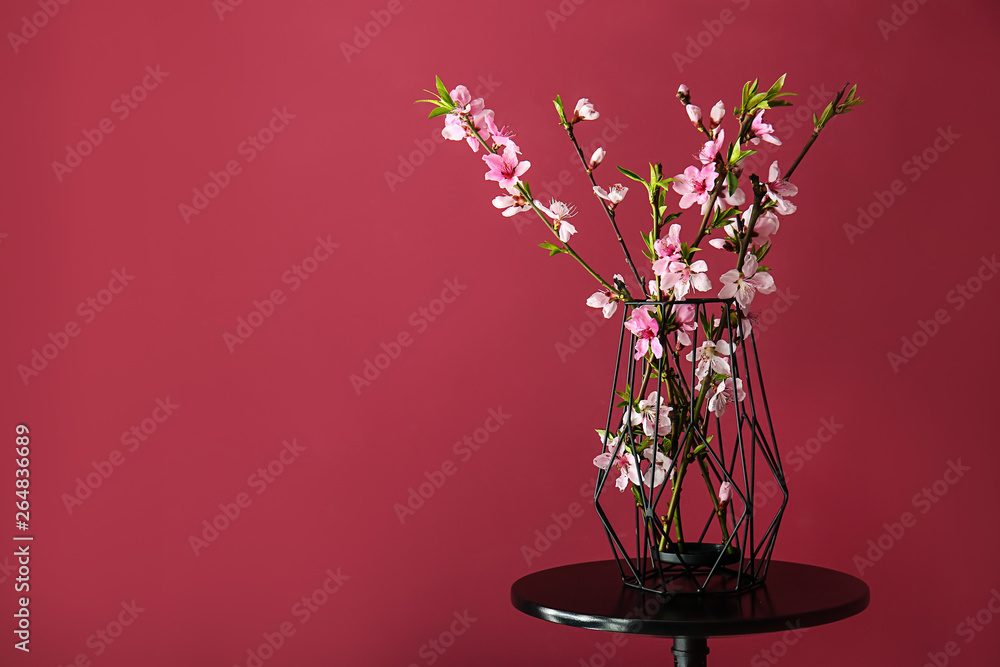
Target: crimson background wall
[879, 344]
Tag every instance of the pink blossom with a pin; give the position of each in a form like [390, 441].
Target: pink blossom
[606, 300]
[728, 199]
[685, 317]
[501, 137]
[505, 169]
[614, 197]
[761, 130]
[645, 329]
[684, 93]
[767, 225]
[584, 111]
[559, 212]
[462, 99]
[711, 148]
[694, 185]
[712, 357]
[668, 249]
[651, 410]
[514, 203]
[565, 230]
[657, 472]
[725, 393]
[778, 189]
[454, 128]
[617, 453]
[745, 284]
[683, 278]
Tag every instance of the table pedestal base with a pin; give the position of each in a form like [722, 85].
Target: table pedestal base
[690, 652]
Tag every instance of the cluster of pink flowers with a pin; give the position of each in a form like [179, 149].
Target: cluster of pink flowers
[630, 464]
[470, 120]
[467, 109]
[678, 274]
[652, 415]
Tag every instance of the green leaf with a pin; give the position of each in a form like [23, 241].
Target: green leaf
[648, 240]
[705, 325]
[552, 248]
[442, 90]
[631, 174]
[560, 109]
[776, 87]
[440, 111]
[434, 102]
[748, 90]
[826, 115]
[722, 217]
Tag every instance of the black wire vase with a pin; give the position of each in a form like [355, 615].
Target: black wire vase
[710, 545]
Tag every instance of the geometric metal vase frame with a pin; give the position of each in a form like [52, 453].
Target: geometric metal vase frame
[692, 542]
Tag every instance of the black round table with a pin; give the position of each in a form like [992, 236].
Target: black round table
[592, 595]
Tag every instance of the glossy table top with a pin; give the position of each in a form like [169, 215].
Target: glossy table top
[592, 595]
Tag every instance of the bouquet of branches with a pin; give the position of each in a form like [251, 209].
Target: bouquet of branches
[665, 433]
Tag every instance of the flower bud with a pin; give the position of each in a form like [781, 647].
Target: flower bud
[725, 495]
[694, 113]
[597, 157]
[725, 491]
[683, 94]
[718, 111]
